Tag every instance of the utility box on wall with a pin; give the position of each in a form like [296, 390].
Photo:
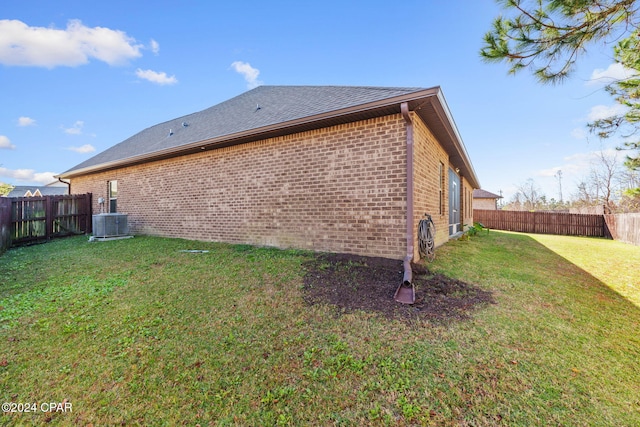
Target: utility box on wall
[110, 225]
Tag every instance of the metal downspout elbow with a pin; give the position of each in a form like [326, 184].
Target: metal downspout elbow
[68, 184]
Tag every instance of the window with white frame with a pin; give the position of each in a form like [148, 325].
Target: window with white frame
[113, 196]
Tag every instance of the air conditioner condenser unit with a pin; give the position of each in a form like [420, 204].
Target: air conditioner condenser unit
[110, 225]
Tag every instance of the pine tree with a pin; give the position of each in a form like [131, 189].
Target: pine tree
[548, 36]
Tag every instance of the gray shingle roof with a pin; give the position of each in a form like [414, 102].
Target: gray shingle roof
[21, 190]
[484, 194]
[261, 107]
[269, 111]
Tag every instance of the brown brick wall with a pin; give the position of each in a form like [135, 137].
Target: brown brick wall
[467, 203]
[428, 155]
[338, 189]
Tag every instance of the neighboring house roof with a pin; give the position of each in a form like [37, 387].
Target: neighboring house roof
[29, 191]
[484, 194]
[269, 111]
[58, 184]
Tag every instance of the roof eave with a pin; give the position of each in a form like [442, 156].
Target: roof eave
[471, 173]
[452, 140]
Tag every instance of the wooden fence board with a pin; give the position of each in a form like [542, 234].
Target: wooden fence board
[542, 222]
[33, 219]
[624, 227]
[5, 224]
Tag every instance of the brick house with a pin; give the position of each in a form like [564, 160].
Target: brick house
[483, 199]
[326, 168]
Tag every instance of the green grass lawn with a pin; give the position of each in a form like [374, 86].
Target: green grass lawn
[135, 332]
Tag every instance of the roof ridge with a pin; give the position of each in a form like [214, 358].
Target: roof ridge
[389, 88]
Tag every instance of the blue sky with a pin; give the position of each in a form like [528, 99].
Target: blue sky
[77, 77]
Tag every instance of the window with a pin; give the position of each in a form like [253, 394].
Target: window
[113, 196]
[455, 199]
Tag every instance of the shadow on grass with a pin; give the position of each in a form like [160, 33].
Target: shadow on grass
[613, 263]
[468, 274]
[520, 264]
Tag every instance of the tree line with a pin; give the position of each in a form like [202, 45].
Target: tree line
[608, 188]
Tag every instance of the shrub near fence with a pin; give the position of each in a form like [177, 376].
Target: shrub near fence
[565, 224]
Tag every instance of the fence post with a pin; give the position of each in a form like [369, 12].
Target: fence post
[5, 224]
[48, 222]
[88, 205]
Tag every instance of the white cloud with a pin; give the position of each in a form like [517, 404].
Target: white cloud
[249, 73]
[549, 172]
[86, 148]
[579, 133]
[23, 45]
[156, 77]
[597, 112]
[578, 164]
[26, 121]
[6, 143]
[614, 72]
[604, 111]
[76, 129]
[155, 47]
[28, 175]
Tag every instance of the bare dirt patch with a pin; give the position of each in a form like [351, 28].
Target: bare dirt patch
[352, 282]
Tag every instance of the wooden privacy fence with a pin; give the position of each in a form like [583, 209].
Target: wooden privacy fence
[31, 219]
[624, 227]
[565, 224]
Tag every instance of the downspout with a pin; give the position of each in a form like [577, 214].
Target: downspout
[68, 184]
[404, 110]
